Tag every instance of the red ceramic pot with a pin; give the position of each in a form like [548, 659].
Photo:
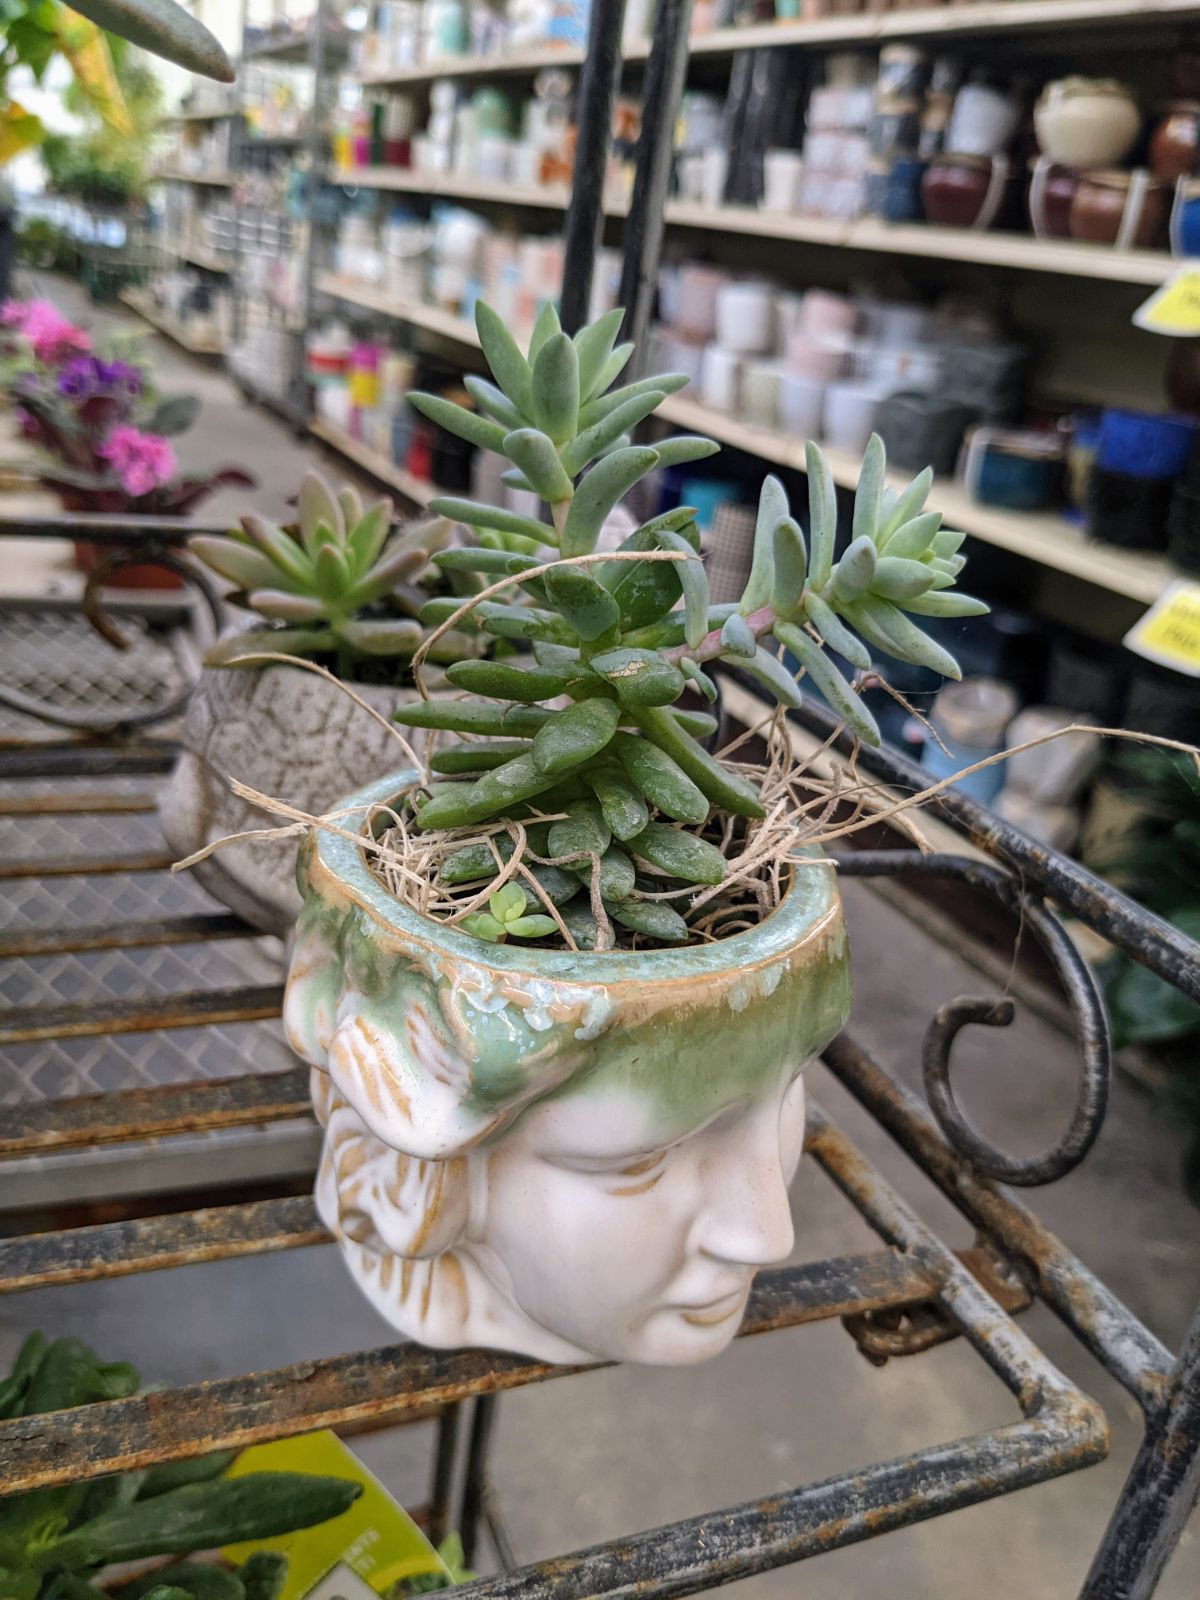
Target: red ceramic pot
[961, 191]
[1175, 143]
[1099, 206]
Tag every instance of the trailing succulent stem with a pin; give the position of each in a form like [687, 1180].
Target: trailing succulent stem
[336, 582]
[596, 729]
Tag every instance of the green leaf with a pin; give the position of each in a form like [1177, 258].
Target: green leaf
[598, 493]
[605, 405]
[682, 448]
[230, 558]
[646, 590]
[492, 400]
[822, 515]
[546, 326]
[504, 682]
[384, 636]
[618, 876]
[582, 602]
[584, 832]
[509, 367]
[790, 568]
[456, 419]
[477, 515]
[681, 855]
[396, 567]
[556, 390]
[907, 506]
[654, 918]
[826, 677]
[640, 677]
[199, 1580]
[773, 675]
[471, 716]
[479, 558]
[483, 755]
[173, 416]
[725, 789]
[575, 734]
[521, 622]
[890, 630]
[317, 504]
[164, 29]
[870, 488]
[277, 547]
[612, 369]
[700, 679]
[947, 605]
[263, 1575]
[14, 1387]
[772, 508]
[737, 637]
[898, 579]
[661, 779]
[508, 902]
[174, 1474]
[331, 572]
[621, 804]
[534, 453]
[835, 633]
[855, 572]
[366, 539]
[594, 345]
[693, 580]
[483, 926]
[913, 538]
[536, 926]
[596, 439]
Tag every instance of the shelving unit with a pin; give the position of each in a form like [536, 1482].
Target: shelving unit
[137, 301]
[1050, 540]
[412, 488]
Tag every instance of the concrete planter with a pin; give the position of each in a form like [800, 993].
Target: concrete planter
[575, 1156]
[287, 733]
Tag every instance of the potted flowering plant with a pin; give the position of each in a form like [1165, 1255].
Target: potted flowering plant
[101, 431]
[559, 977]
[341, 589]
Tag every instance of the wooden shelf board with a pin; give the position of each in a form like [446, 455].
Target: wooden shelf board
[206, 180]
[159, 319]
[412, 488]
[993, 16]
[432, 318]
[444, 185]
[1043, 537]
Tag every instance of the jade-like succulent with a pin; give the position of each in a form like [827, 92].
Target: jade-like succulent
[338, 581]
[507, 917]
[623, 640]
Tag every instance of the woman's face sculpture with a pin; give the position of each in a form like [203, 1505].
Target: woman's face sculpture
[574, 1157]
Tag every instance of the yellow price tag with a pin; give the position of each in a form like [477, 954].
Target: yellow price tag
[1173, 309]
[1169, 633]
[356, 1556]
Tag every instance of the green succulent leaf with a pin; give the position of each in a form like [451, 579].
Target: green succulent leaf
[396, 567]
[475, 514]
[534, 454]
[912, 539]
[822, 515]
[277, 547]
[870, 489]
[366, 537]
[575, 734]
[947, 605]
[235, 560]
[556, 390]
[611, 370]
[855, 572]
[907, 505]
[661, 779]
[621, 803]
[318, 504]
[283, 607]
[593, 345]
[889, 629]
[494, 401]
[331, 572]
[582, 602]
[584, 832]
[509, 367]
[653, 918]
[505, 682]
[546, 326]
[790, 562]
[598, 493]
[679, 854]
[826, 677]
[508, 903]
[737, 637]
[482, 755]
[773, 675]
[694, 675]
[483, 926]
[593, 441]
[681, 448]
[898, 579]
[472, 716]
[456, 419]
[772, 509]
[647, 590]
[835, 633]
[725, 789]
[534, 926]
[639, 677]
[383, 636]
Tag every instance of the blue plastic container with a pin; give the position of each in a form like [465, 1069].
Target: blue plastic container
[1144, 445]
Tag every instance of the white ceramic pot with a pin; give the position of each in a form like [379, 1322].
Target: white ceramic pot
[782, 172]
[760, 394]
[287, 733]
[801, 404]
[720, 379]
[850, 412]
[746, 318]
[513, 1158]
[982, 122]
[1086, 122]
[819, 360]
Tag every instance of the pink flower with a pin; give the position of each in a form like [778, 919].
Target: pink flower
[142, 461]
[52, 336]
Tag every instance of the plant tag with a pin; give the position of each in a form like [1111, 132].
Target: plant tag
[364, 1552]
[1174, 307]
[1169, 633]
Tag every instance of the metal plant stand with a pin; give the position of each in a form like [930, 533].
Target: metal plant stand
[904, 1295]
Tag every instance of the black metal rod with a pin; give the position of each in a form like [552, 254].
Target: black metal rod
[475, 1478]
[101, 527]
[1160, 1493]
[442, 1494]
[1149, 940]
[585, 215]
[666, 70]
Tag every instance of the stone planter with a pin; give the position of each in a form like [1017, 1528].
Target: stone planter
[287, 733]
[575, 1156]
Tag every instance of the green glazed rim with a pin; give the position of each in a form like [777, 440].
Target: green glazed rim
[805, 913]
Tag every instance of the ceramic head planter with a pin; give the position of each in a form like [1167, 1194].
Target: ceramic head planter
[568, 1130]
[572, 1155]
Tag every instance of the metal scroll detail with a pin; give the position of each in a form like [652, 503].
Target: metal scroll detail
[1087, 1007]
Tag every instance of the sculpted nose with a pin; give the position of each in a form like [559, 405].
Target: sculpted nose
[748, 1219]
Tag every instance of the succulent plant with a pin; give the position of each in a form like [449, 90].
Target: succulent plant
[507, 917]
[622, 639]
[337, 581]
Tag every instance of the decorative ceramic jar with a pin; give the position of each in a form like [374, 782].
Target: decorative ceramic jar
[1175, 143]
[964, 191]
[574, 1156]
[983, 121]
[1128, 209]
[291, 735]
[1086, 122]
[1051, 191]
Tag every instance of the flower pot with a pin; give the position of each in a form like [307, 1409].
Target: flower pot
[287, 733]
[571, 1156]
[1086, 122]
[964, 191]
[1175, 143]
[1128, 209]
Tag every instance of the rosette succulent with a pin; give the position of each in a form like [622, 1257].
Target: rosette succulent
[337, 582]
[598, 727]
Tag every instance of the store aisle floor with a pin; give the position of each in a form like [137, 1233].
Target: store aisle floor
[598, 1456]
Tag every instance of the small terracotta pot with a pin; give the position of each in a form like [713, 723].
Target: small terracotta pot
[1175, 143]
[961, 191]
[1125, 208]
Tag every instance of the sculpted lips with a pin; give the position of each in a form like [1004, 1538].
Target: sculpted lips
[716, 1311]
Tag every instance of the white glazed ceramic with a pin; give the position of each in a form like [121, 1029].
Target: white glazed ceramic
[819, 360]
[575, 1156]
[720, 379]
[850, 412]
[1086, 122]
[746, 318]
[287, 733]
[982, 122]
[782, 172]
[760, 394]
[801, 405]
[697, 300]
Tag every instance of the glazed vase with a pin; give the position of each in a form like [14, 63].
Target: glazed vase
[578, 1156]
[291, 735]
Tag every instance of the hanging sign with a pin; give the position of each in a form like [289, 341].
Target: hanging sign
[1169, 633]
[1174, 308]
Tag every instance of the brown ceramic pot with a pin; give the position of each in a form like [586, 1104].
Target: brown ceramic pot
[1175, 142]
[960, 191]
[1098, 208]
[1049, 202]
